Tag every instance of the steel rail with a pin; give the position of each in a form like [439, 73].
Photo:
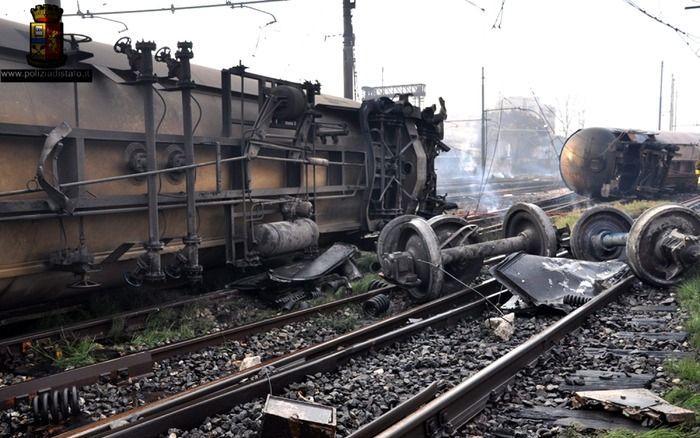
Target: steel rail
[189, 408]
[141, 363]
[395, 415]
[451, 410]
[526, 188]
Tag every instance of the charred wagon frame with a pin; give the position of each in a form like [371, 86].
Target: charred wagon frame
[101, 180]
[620, 163]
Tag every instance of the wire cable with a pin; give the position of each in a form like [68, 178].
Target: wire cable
[88, 15]
[487, 175]
[172, 8]
[687, 38]
[199, 119]
[499, 17]
[500, 312]
[165, 109]
[475, 5]
[657, 19]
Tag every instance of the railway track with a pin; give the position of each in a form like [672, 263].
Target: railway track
[461, 191]
[627, 345]
[141, 363]
[219, 396]
[188, 410]
[455, 407]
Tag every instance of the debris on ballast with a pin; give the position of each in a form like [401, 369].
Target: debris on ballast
[285, 417]
[502, 326]
[558, 283]
[249, 362]
[637, 403]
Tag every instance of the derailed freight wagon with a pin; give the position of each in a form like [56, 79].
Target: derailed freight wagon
[94, 188]
[622, 163]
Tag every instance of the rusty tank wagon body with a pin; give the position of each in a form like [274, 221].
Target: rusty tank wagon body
[618, 163]
[159, 168]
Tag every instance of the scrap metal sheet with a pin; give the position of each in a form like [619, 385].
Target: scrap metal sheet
[548, 281]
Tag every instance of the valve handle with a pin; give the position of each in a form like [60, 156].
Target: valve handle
[163, 54]
[77, 38]
[121, 44]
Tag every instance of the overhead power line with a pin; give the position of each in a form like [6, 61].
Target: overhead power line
[657, 19]
[475, 5]
[172, 8]
[499, 18]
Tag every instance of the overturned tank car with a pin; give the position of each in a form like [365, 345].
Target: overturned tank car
[160, 169]
[619, 163]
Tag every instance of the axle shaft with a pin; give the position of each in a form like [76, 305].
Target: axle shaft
[486, 249]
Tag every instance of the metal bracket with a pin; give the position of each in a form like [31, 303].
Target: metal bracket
[57, 199]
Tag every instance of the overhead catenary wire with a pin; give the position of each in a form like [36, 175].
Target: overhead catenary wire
[685, 36]
[475, 5]
[657, 19]
[486, 175]
[82, 15]
[499, 17]
[550, 130]
[172, 8]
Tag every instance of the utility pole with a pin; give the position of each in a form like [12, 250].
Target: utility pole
[483, 125]
[661, 91]
[348, 50]
[671, 111]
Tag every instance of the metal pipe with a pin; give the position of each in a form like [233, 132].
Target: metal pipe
[348, 50]
[190, 254]
[146, 78]
[661, 93]
[244, 166]
[151, 161]
[189, 158]
[612, 240]
[98, 212]
[486, 249]
[133, 175]
[483, 125]
[218, 167]
[226, 121]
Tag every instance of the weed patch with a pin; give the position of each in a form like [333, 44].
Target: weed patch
[70, 353]
[361, 285]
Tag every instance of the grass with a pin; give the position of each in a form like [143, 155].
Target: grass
[689, 296]
[170, 325]
[340, 322]
[70, 353]
[687, 392]
[632, 208]
[76, 353]
[361, 285]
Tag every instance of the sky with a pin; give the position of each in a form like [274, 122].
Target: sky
[598, 58]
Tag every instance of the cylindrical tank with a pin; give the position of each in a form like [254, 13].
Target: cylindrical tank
[584, 163]
[618, 163]
[286, 236]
